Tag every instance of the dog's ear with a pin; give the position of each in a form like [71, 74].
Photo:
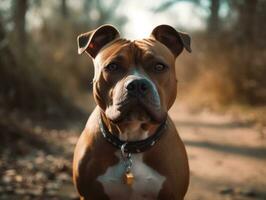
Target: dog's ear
[93, 41]
[174, 40]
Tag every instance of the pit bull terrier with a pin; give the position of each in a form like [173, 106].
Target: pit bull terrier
[130, 149]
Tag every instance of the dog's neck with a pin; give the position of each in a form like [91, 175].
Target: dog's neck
[131, 130]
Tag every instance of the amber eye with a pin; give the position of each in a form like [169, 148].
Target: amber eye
[111, 67]
[159, 67]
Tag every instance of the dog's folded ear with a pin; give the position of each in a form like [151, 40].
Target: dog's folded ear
[93, 41]
[174, 40]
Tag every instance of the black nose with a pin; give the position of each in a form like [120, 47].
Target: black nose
[141, 86]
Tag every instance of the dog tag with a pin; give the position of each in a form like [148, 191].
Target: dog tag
[128, 178]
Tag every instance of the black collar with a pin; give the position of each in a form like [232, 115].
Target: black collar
[132, 146]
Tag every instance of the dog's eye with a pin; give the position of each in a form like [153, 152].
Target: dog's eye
[160, 67]
[111, 67]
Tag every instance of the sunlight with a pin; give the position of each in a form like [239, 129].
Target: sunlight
[141, 18]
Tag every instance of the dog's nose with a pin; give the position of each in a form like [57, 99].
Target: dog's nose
[137, 86]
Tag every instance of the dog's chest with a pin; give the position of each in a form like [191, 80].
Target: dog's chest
[147, 182]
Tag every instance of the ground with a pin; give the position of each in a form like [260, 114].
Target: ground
[227, 157]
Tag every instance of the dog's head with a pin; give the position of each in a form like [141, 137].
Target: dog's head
[134, 79]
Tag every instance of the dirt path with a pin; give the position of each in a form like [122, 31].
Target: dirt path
[227, 156]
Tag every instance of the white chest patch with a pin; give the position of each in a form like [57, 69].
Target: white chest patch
[146, 185]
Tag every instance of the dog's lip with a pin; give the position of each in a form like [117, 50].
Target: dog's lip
[132, 99]
[124, 107]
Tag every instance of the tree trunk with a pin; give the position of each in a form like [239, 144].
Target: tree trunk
[64, 8]
[247, 19]
[248, 22]
[245, 43]
[20, 10]
[86, 6]
[8, 67]
[214, 21]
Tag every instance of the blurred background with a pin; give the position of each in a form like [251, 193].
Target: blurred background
[45, 90]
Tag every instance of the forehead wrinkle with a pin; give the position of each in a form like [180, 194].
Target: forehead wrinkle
[122, 55]
[154, 50]
[151, 56]
[145, 44]
[147, 47]
[117, 57]
[113, 51]
[136, 53]
[155, 47]
[128, 53]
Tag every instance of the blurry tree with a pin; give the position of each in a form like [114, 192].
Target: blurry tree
[246, 11]
[214, 20]
[214, 6]
[6, 60]
[86, 6]
[249, 42]
[64, 8]
[99, 12]
[19, 13]
[44, 65]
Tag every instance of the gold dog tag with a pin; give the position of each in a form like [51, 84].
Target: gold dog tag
[128, 178]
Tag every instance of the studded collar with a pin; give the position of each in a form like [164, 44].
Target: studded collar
[132, 146]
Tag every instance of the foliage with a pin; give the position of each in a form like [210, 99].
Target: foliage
[39, 65]
[229, 64]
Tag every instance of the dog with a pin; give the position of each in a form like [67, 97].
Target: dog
[130, 148]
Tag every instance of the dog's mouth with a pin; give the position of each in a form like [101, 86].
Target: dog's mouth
[136, 108]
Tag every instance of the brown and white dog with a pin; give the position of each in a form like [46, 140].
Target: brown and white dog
[130, 148]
